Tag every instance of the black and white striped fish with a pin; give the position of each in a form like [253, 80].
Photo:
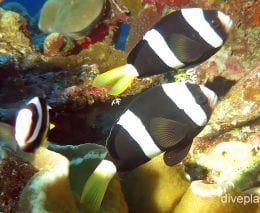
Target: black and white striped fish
[181, 39]
[32, 123]
[165, 119]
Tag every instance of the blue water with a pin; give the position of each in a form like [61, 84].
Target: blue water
[32, 6]
[124, 29]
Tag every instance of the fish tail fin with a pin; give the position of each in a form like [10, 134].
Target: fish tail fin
[96, 185]
[116, 80]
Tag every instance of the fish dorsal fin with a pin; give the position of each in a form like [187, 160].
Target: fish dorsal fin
[186, 49]
[176, 154]
[166, 132]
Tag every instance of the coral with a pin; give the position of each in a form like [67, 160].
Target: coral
[49, 189]
[84, 159]
[226, 150]
[14, 34]
[256, 15]
[134, 6]
[48, 181]
[244, 12]
[15, 172]
[238, 107]
[97, 34]
[146, 18]
[154, 187]
[18, 8]
[228, 160]
[171, 3]
[114, 200]
[53, 44]
[206, 197]
[57, 44]
[235, 59]
[70, 17]
[234, 69]
[105, 56]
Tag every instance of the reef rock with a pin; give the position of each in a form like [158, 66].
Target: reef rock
[240, 106]
[15, 172]
[14, 34]
[228, 147]
[140, 23]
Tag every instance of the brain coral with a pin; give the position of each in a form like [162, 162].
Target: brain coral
[71, 17]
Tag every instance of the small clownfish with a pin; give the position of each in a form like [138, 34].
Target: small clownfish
[181, 39]
[163, 119]
[32, 124]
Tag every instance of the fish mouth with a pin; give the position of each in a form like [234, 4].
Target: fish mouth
[225, 20]
[212, 97]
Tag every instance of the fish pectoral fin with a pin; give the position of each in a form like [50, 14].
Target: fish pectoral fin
[52, 126]
[116, 80]
[186, 49]
[176, 154]
[166, 132]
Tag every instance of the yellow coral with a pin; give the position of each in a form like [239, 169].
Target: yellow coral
[154, 187]
[49, 188]
[203, 197]
[114, 200]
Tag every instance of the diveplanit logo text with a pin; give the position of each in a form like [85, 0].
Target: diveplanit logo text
[242, 199]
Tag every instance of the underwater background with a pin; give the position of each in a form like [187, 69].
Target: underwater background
[32, 6]
[57, 55]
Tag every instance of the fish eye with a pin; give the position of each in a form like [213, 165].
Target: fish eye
[215, 23]
[200, 99]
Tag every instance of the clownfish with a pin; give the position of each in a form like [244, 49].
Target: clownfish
[181, 39]
[163, 119]
[32, 125]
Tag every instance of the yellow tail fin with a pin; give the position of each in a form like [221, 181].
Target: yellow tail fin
[96, 185]
[116, 80]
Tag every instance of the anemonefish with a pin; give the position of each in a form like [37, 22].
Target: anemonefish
[163, 119]
[32, 124]
[181, 39]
